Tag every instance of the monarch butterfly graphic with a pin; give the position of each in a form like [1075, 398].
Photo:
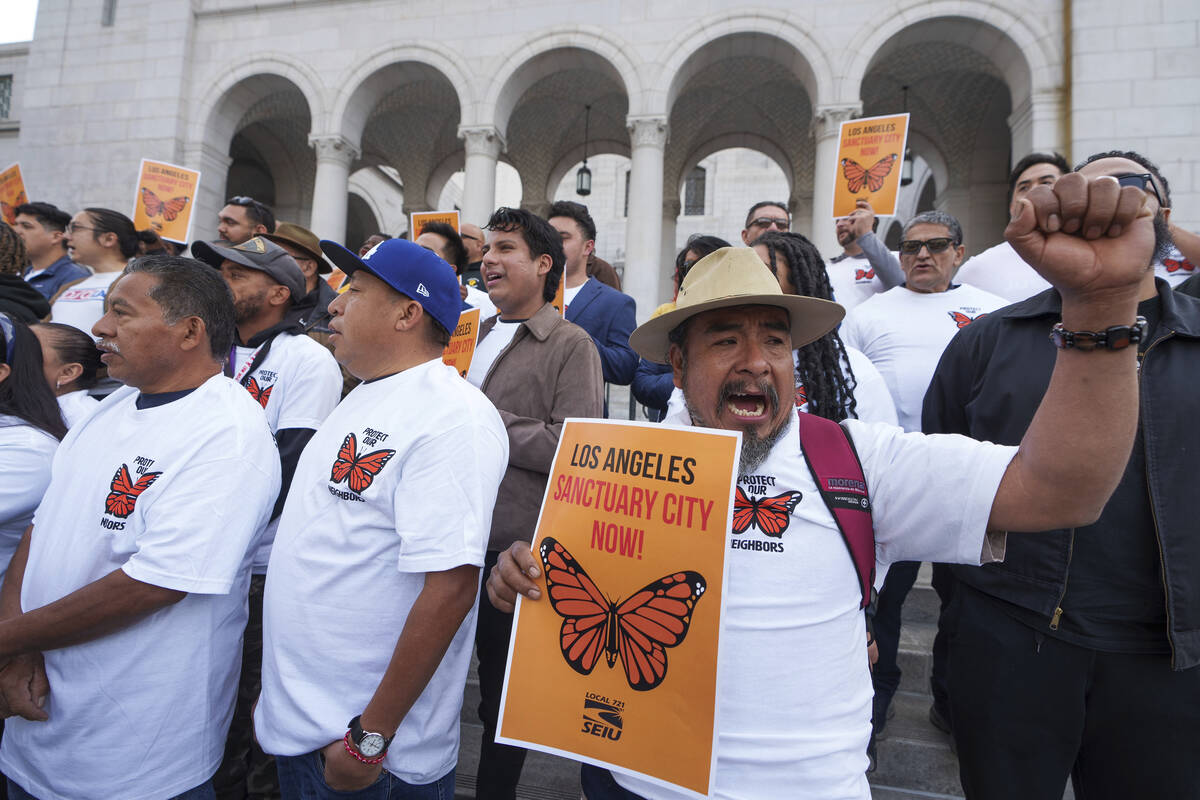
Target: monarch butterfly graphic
[358, 471]
[771, 515]
[123, 492]
[962, 320]
[801, 396]
[260, 393]
[157, 208]
[1174, 265]
[10, 211]
[638, 629]
[864, 274]
[872, 177]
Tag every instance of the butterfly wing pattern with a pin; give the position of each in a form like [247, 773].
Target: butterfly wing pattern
[358, 471]
[638, 629]
[155, 207]
[259, 393]
[771, 515]
[124, 491]
[962, 320]
[872, 178]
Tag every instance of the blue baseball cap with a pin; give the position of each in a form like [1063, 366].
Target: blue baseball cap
[412, 270]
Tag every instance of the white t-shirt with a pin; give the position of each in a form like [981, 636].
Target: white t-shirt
[1000, 271]
[82, 305]
[904, 333]
[77, 406]
[853, 280]
[488, 349]
[569, 296]
[350, 559]
[297, 384]
[143, 712]
[25, 455]
[794, 692]
[1173, 267]
[480, 300]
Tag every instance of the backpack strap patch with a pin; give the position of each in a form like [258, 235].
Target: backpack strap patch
[838, 473]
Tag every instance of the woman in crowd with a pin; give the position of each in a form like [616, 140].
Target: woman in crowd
[832, 380]
[71, 364]
[30, 427]
[653, 383]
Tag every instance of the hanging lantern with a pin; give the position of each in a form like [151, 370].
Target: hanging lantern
[583, 177]
[906, 168]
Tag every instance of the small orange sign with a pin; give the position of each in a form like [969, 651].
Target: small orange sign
[869, 160]
[12, 192]
[418, 220]
[461, 348]
[560, 297]
[616, 664]
[164, 199]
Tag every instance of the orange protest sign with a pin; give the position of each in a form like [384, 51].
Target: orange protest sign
[420, 218]
[12, 192]
[616, 665]
[869, 159]
[461, 348]
[164, 199]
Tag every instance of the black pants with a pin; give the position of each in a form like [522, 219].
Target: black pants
[1029, 711]
[886, 675]
[499, 765]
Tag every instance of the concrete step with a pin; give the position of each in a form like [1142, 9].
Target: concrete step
[914, 755]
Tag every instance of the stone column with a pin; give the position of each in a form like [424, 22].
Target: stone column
[483, 146]
[666, 262]
[643, 231]
[210, 197]
[826, 123]
[331, 187]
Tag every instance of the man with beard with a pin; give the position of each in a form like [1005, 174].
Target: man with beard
[1093, 632]
[297, 382]
[865, 267]
[794, 705]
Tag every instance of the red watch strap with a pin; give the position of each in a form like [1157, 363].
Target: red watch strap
[350, 749]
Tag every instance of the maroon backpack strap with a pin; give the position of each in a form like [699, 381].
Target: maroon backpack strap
[839, 475]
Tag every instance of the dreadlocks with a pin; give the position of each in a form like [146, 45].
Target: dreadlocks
[823, 368]
[12, 251]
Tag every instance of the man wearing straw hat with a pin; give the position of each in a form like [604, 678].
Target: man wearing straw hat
[795, 695]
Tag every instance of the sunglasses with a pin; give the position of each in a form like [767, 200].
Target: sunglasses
[243, 200]
[766, 222]
[1141, 181]
[910, 247]
[10, 335]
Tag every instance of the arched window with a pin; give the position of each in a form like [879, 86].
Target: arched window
[693, 193]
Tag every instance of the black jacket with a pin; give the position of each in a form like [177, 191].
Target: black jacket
[988, 384]
[22, 300]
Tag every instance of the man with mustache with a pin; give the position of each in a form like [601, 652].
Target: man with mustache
[795, 701]
[1095, 631]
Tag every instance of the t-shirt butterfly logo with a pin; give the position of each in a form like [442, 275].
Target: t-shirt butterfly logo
[864, 274]
[123, 492]
[962, 320]
[771, 515]
[358, 470]
[260, 393]
[638, 629]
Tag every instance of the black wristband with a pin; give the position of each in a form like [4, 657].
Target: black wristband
[1118, 337]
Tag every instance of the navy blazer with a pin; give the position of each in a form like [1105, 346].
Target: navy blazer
[608, 317]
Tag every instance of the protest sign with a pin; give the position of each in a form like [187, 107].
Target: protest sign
[869, 161]
[12, 192]
[418, 220]
[461, 348]
[616, 664]
[560, 296]
[164, 199]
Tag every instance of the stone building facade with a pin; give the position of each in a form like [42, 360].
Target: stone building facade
[348, 114]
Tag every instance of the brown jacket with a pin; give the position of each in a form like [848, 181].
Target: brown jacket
[549, 371]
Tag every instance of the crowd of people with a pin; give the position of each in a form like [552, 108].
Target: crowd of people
[253, 529]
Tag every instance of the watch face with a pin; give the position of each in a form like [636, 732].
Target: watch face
[371, 745]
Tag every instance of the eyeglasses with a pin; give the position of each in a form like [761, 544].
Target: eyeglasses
[1141, 181]
[10, 335]
[75, 228]
[910, 247]
[765, 222]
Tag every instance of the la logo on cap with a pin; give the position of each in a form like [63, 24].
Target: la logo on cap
[254, 245]
[421, 290]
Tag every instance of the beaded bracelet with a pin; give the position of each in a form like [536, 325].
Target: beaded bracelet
[371, 761]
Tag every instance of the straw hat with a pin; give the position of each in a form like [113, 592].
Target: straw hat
[734, 276]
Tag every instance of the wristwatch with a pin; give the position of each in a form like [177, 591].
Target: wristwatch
[1117, 337]
[368, 743]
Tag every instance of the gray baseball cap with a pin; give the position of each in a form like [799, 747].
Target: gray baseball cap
[256, 253]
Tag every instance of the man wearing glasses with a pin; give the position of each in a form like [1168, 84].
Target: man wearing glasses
[763, 217]
[904, 331]
[865, 267]
[243, 218]
[1093, 632]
